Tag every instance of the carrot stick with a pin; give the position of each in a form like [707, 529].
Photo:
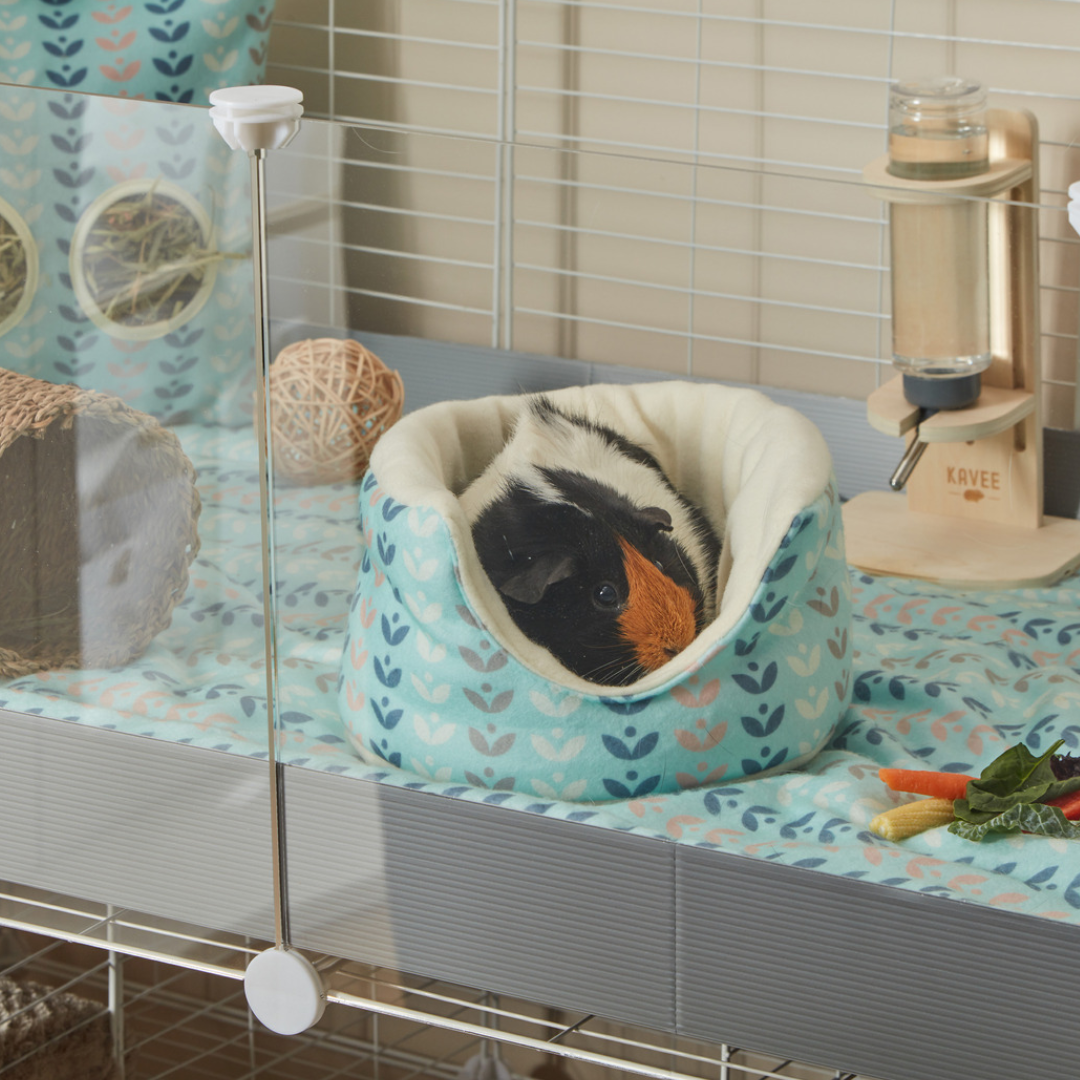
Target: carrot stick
[939, 785]
[1069, 805]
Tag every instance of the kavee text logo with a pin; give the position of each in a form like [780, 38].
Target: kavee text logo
[973, 485]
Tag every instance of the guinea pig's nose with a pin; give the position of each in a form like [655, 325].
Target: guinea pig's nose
[671, 651]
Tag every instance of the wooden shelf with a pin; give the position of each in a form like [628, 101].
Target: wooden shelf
[1000, 176]
[883, 536]
[996, 410]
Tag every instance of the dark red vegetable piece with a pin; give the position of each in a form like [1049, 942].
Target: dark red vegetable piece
[1065, 766]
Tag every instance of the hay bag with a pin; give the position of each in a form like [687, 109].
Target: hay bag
[98, 526]
[438, 680]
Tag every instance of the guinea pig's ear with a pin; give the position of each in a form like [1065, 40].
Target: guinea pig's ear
[656, 516]
[530, 583]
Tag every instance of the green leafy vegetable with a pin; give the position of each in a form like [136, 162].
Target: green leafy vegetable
[1026, 817]
[1009, 795]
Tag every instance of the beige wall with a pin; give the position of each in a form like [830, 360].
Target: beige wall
[764, 261]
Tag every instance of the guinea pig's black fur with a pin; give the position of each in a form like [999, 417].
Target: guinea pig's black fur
[595, 554]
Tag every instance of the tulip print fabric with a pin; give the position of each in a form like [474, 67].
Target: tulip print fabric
[427, 688]
[169, 50]
[940, 679]
[68, 160]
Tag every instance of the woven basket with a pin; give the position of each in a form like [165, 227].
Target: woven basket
[47, 1034]
[330, 400]
[99, 511]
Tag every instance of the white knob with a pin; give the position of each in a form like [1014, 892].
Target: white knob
[1074, 205]
[257, 117]
[284, 991]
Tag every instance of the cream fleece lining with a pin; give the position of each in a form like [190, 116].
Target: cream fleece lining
[750, 464]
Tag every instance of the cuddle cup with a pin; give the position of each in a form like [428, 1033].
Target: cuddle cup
[438, 680]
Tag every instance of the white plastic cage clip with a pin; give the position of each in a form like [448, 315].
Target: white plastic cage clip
[257, 117]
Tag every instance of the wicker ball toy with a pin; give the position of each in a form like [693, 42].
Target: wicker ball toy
[330, 400]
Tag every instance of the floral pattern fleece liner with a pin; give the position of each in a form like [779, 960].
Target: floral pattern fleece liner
[941, 680]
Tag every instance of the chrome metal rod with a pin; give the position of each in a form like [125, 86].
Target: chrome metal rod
[266, 498]
[907, 463]
[116, 1000]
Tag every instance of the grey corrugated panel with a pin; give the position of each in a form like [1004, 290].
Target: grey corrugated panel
[436, 371]
[165, 829]
[863, 458]
[866, 978]
[552, 911]
[1061, 458]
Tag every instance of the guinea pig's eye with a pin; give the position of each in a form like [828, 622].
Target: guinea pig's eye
[659, 565]
[606, 595]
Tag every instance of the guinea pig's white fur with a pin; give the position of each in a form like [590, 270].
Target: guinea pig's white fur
[544, 437]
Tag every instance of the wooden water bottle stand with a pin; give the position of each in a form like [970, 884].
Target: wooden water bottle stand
[973, 513]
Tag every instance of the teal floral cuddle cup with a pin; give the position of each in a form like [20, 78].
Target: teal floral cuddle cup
[437, 680]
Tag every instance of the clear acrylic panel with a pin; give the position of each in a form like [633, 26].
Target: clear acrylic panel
[130, 560]
[470, 267]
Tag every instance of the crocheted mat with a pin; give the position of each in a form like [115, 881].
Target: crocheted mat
[52, 1036]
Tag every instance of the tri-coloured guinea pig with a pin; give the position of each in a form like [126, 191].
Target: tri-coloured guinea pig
[597, 556]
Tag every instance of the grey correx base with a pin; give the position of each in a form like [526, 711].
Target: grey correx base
[701, 942]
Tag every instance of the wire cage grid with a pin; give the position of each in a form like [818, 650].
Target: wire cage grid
[675, 187]
[177, 1009]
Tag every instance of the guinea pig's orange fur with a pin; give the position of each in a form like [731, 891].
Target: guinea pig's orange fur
[659, 618]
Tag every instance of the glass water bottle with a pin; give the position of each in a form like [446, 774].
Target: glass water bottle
[940, 286]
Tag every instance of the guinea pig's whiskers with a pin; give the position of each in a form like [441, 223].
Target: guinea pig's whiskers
[613, 672]
[682, 562]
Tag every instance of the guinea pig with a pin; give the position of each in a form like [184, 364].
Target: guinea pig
[595, 554]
